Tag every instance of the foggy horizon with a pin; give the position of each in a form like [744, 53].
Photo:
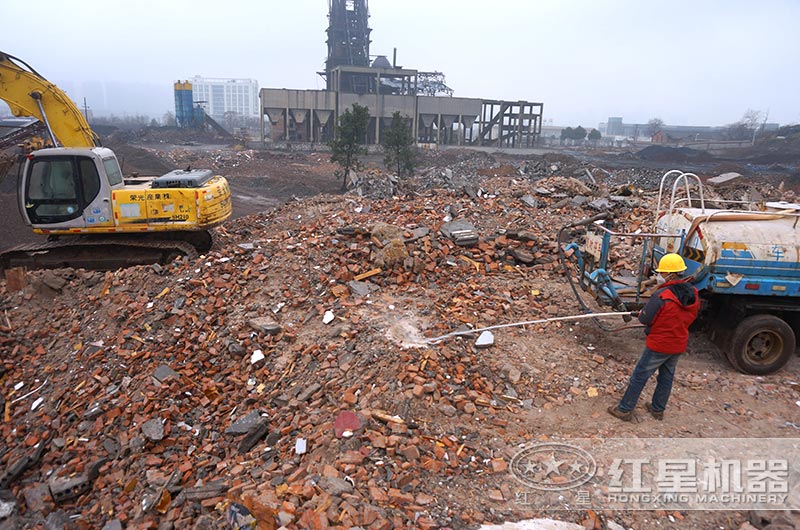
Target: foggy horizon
[686, 63]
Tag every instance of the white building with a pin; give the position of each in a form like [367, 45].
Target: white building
[218, 96]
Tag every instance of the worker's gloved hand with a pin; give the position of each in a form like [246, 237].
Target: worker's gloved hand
[635, 314]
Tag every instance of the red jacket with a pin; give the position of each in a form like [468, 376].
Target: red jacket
[668, 315]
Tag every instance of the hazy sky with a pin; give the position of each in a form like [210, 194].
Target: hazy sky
[689, 62]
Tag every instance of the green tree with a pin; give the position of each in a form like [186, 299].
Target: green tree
[578, 133]
[351, 132]
[566, 133]
[594, 134]
[398, 145]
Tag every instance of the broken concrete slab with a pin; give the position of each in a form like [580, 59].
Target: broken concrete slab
[153, 429]
[37, 497]
[523, 256]
[579, 200]
[265, 325]
[600, 204]
[418, 233]
[462, 232]
[725, 178]
[244, 424]
[361, 289]
[335, 486]
[164, 372]
[530, 200]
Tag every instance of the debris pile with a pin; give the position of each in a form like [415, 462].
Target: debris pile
[284, 380]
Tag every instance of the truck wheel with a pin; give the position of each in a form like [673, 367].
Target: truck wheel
[761, 344]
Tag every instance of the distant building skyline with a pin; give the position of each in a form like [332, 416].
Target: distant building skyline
[220, 95]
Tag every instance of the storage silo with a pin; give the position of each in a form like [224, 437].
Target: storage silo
[183, 104]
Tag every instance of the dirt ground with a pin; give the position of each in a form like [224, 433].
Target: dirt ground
[290, 256]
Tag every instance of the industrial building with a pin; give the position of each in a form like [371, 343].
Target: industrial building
[352, 75]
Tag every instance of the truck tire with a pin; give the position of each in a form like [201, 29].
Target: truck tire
[760, 345]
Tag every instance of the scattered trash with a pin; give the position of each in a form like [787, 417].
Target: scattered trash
[256, 356]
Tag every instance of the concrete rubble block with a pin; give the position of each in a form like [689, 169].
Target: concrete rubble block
[53, 281]
[265, 325]
[579, 200]
[335, 486]
[484, 340]
[523, 256]
[391, 254]
[384, 232]
[254, 435]
[361, 289]
[113, 524]
[164, 372]
[153, 429]
[522, 235]
[530, 200]
[37, 497]
[57, 520]
[725, 178]
[462, 232]
[67, 488]
[8, 504]
[418, 233]
[307, 392]
[600, 204]
[245, 423]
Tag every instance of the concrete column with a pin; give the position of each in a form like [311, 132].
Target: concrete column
[414, 120]
[461, 130]
[286, 126]
[438, 128]
[261, 118]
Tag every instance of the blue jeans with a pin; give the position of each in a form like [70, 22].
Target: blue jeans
[665, 363]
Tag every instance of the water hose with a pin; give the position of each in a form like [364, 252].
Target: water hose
[436, 340]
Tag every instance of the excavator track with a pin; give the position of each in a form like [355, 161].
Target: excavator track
[97, 253]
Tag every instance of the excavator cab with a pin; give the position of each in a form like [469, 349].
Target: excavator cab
[65, 188]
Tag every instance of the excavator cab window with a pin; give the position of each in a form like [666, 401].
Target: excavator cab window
[59, 188]
[113, 171]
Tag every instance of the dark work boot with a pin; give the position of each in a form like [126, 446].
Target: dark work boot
[657, 414]
[621, 414]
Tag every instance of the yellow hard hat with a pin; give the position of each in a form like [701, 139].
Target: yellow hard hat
[671, 263]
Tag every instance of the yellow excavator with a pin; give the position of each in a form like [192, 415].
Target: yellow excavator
[74, 192]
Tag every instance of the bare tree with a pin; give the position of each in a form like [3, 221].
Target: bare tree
[654, 125]
[745, 128]
[751, 118]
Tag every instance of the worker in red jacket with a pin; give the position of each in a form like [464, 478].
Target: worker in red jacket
[667, 317]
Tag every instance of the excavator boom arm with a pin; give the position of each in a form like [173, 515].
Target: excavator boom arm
[28, 94]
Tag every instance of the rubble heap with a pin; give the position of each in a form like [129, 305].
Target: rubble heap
[284, 377]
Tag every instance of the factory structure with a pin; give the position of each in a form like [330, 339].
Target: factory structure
[353, 75]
